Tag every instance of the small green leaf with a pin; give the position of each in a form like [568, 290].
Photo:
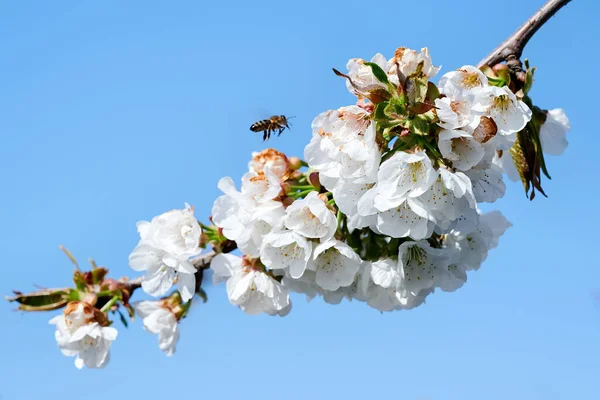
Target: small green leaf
[73, 295]
[420, 108]
[432, 92]
[417, 86]
[497, 82]
[528, 77]
[379, 112]
[98, 275]
[42, 300]
[396, 109]
[527, 156]
[123, 320]
[499, 78]
[378, 72]
[504, 76]
[418, 125]
[79, 280]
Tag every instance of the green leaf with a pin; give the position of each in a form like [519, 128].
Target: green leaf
[527, 156]
[504, 76]
[528, 77]
[123, 320]
[79, 280]
[98, 275]
[396, 109]
[418, 125]
[497, 82]
[417, 86]
[420, 108]
[539, 117]
[378, 72]
[379, 112]
[432, 92]
[42, 300]
[73, 295]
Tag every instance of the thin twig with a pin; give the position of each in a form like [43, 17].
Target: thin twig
[514, 45]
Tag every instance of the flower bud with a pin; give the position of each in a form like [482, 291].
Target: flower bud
[272, 159]
[313, 179]
[499, 67]
[295, 163]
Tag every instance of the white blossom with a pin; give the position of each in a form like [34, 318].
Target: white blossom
[474, 246]
[244, 219]
[160, 321]
[252, 290]
[261, 188]
[362, 80]
[343, 146]
[385, 273]
[460, 148]
[510, 114]
[386, 291]
[357, 290]
[305, 284]
[347, 195]
[450, 197]
[408, 61]
[276, 162]
[420, 264]
[507, 165]
[401, 176]
[79, 334]
[488, 185]
[554, 131]
[232, 211]
[462, 80]
[167, 243]
[409, 219]
[336, 265]
[456, 114]
[311, 218]
[286, 250]
[471, 249]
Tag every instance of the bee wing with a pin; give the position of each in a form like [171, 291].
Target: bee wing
[261, 113]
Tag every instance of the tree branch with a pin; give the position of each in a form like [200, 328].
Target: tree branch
[514, 45]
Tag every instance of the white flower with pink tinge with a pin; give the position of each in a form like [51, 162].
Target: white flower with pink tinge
[79, 334]
[166, 245]
[249, 287]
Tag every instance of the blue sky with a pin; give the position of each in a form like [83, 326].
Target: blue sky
[113, 112]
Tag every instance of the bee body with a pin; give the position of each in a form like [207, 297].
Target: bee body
[276, 123]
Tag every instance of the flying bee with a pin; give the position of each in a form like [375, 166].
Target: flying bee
[276, 123]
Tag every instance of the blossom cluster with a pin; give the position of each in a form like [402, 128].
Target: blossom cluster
[388, 209]
[384, 209]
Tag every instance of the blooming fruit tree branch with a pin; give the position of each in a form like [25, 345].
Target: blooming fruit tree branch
[382, 209]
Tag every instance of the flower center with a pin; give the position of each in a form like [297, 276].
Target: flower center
[470, 80]
[417, 254]
[415, 169]
[502, 102]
